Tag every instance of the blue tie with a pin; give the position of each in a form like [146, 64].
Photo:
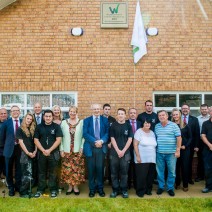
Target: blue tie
[97, 133]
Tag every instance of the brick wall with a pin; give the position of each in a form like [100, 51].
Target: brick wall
[37, 52]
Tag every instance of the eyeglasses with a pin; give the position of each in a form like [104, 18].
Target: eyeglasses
[15, 111]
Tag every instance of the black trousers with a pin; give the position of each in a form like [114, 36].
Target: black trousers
[207, 158]
[2, 165]
[145, 173]
[182, 168]
[190, 163]
[119, 172]
[200, 165]
[131, 171]
[47, 164]
[9, 162]
[26, 169]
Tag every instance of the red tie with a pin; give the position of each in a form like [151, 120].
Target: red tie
[16, 128]
[184, 120]
[133, 126]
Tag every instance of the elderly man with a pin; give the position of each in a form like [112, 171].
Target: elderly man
[95, 132]
[206, 136]
[12, 151]
[169, 140]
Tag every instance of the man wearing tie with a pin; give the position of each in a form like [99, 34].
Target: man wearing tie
[132, 113]
[95, 132]
[12, 151]
[195, 130]
[38, 113]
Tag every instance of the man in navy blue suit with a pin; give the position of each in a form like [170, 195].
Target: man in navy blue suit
[12, 151]
[95, 132]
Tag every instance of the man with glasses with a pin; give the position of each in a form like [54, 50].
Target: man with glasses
[195, 130]
[12, 151]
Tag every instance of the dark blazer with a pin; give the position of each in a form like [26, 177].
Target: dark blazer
[7, 137]
[138, 124]
[42, 120]
[195, 130]
[88, 134]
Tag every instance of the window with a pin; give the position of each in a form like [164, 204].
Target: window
[48, 99]
[169, 100]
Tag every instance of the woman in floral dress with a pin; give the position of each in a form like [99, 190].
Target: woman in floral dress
[73, 163]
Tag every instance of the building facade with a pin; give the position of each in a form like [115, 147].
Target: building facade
[40, 59]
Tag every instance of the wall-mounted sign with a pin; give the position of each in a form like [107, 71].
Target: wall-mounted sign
[114, 15]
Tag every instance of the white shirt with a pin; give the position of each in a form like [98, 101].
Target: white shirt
[147, 146]
[202, 119]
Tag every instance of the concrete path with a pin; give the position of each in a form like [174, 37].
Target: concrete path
[194, 191]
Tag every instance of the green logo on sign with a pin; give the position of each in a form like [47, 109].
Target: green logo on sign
[114, 10]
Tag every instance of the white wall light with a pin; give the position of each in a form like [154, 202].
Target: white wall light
[77, 31]
[152, 31]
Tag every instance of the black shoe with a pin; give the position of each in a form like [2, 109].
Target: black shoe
[53, 194]
[69, 192]
[77, 193]
[38, 194]
[91, 194]
[198, 179]
[125, 194]
[206, 190]
[101, 193]
[113, 194]
[171, 193]
[160, 191]
[24, 195]
[191, 182]
[149, 192]
[11, 193]
[140, 195]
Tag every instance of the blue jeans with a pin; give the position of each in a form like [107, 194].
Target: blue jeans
[161, 161]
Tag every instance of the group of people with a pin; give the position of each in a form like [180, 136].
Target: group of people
[137, 151]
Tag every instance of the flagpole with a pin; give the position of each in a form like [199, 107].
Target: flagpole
[134, 86]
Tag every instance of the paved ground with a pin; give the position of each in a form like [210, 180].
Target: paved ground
[194, 191]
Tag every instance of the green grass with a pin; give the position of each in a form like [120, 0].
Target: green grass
[105, 204]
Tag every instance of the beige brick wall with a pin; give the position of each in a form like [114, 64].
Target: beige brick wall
[37, 52]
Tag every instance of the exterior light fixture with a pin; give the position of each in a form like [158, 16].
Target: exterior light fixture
[152, 31]
[77, 31]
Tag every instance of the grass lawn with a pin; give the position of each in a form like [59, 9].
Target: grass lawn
[105, 204]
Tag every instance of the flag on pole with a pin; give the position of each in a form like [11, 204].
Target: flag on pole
[139, 38]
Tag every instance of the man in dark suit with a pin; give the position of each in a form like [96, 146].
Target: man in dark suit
[95, 132]
[132, 113]
[195, 130]
[38, 113]
[3, 118]
[12, 151]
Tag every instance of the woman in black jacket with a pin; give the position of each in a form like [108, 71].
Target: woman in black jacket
[182, 167]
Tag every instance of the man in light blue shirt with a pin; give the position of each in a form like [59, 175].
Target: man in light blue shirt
[169, 140]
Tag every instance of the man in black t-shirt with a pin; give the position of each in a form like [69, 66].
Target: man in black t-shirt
[149, 115]
[206, 136]
[121, 138]
[47, 139]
